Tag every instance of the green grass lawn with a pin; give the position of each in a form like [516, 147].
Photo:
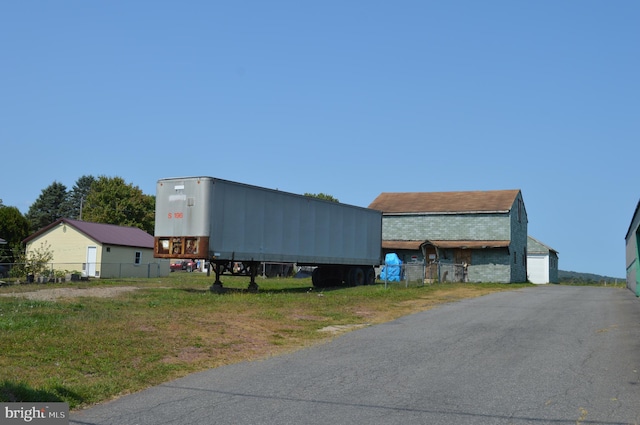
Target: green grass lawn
[84, 350]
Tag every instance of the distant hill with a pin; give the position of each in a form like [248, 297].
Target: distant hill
[567, 276]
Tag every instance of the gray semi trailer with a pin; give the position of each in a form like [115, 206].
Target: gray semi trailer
[229, 223]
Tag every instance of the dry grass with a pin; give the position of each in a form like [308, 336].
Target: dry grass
[83, 349]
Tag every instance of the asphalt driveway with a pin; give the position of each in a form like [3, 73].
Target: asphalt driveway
[543, 355]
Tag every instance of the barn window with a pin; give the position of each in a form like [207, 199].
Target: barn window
[138, 257]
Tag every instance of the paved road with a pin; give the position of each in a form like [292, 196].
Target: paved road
[544, 355]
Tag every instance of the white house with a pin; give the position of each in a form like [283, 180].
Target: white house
[542, 262]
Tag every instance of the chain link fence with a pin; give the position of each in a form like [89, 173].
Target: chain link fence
[407, 274]
[63, 272]
[420, 274]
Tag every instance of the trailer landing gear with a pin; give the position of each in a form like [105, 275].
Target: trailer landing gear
[220, 267]
[253, 271]
[217, 284]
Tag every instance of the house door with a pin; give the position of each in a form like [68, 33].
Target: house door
[462, 259]
[462, 256]
[92, 256]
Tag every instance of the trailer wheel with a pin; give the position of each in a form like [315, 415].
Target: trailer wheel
[370, 277]
[316, 279]
[327, 276]
[356, 276]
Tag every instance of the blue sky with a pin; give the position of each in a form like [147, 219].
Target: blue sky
[347, 98]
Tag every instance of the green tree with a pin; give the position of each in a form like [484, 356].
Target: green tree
[78, 196]
[14, 227]
[49, 206]
[111, 200]
[322, 196]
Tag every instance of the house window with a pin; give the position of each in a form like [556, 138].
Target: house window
[108, 249]
[138, 257]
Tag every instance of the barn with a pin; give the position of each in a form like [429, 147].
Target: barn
[482, 235]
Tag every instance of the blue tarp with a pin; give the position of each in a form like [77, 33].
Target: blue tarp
[391, 270]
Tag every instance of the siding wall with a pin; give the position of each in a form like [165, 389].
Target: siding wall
[632, 260]
[490, 265]
[69, 247]
[518, 247]
[119, 261]
[446, 227]
[553, 268]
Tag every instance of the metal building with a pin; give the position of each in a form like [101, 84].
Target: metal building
[632, 248]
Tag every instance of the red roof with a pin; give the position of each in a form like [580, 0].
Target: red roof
[105, 234]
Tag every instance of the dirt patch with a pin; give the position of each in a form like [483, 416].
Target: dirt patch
[57, 293]
[338, 329]
[186, 355]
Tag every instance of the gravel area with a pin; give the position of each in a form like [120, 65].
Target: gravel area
[56, 293]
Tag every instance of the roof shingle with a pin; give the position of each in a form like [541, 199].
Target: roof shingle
[445, 202]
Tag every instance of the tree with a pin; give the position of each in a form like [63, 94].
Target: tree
[49, 206]
[14, 227]
[36, 262]
[322, 196]
[78, 196]
[113, 201]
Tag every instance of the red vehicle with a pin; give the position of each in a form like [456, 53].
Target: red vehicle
[188, 265]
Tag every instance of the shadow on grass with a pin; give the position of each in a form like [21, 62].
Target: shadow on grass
[13, 392]
[296, 290]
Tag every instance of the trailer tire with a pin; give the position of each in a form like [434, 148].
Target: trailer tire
[328, 276]
[357, 276]
[315, 278]
[370, 276]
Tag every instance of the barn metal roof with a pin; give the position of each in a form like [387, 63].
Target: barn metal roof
[106, 234]
[445, 202]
